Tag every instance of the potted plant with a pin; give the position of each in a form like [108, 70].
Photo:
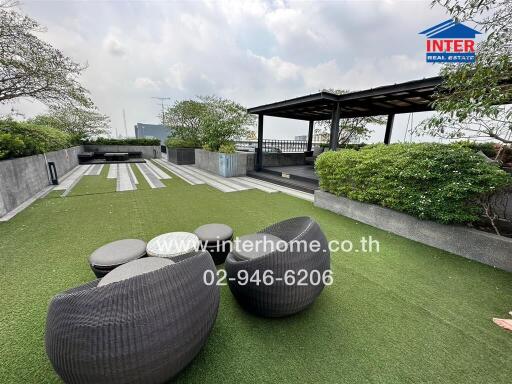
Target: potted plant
[181, 151]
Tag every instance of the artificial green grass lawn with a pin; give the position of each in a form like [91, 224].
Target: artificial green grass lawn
[410, 313]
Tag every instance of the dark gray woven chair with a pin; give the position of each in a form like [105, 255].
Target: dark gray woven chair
[144, 329]
[280, 299]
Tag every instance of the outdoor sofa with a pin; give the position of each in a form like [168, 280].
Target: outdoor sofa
[279, 298]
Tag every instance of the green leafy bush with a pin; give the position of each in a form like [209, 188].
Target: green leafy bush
[18, 139]
[175, 142]
[490, 149]
[227, 148]
[129, 141]
[430, 181]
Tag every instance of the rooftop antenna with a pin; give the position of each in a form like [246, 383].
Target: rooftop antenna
[124, 122]
[162, 102]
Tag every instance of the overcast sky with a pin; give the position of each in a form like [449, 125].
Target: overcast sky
[251, 52]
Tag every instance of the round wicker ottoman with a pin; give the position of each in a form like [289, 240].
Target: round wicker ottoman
[143, 324]
[112, 255]
[216, 239]
[176, 246]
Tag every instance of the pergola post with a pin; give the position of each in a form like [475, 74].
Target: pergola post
[335, 127]
[259, 149]
[310, 135]
[389, 128]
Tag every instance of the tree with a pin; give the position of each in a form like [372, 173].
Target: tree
[210, 121]
[351, 129]
[32, 68]
[80, 122]
[223, 121]
[184, 120]
[471, 101]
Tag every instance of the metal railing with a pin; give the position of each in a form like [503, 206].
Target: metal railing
[275, 145]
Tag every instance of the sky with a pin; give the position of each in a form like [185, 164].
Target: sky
[249, 51]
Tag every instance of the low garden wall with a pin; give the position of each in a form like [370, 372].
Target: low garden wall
[24, 177]
[275, 159]
[222, 164]
[470, 243]
[148, 151]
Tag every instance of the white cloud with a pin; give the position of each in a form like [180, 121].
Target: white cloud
[113, 45]
[146, 83]
[253, 52]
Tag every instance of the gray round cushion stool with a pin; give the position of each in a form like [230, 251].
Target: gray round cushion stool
[256, 245]
[112, 255]
[134, 268]
[216, 238]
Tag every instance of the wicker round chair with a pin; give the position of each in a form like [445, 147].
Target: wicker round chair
[279, 298]
[144, 329]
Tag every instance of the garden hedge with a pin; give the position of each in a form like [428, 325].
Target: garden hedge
[175, 142]
[18, 139]
[437, 182]
[129, 141]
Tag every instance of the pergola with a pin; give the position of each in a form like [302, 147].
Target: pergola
[412, 96]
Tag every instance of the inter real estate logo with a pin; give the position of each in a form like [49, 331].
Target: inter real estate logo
[450, 42]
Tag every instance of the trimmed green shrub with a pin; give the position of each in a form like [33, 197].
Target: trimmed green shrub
[175, 142]
[227, 148]
[129, 141]
[430, 181]
[18, 139]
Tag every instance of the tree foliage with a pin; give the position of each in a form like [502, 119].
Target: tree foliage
[471, 101]
[210, 121]
[19, 139]
[32, 68]
[79, 122]
[351, 129]
[184, 120]
[223, 121]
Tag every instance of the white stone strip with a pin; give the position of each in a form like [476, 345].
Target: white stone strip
[250, 181]
[97, 170]
[192, 180]
[210, 180]
[124, 181]
[90, 169]
[158, 171]
[112, 171]
[288, 191]
[132, 174]
[230, 182]
[73, 179]
[149, 176]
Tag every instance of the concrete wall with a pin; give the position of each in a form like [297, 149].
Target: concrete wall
[226, 165]
[470, 243]
[148, 152]
[21, 179]
[275, 159]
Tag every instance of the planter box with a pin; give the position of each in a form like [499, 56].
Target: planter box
[148, 151]
[181, 156]
[470, 243]
[222, 164]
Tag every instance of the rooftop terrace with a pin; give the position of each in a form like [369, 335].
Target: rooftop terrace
[410, 313]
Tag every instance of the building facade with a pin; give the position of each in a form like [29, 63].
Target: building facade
[152, 131]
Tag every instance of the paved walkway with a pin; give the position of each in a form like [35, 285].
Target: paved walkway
[194, 176]
[73, 179]
[154, 174]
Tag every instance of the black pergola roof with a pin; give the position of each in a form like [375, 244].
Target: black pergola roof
[412, 96]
